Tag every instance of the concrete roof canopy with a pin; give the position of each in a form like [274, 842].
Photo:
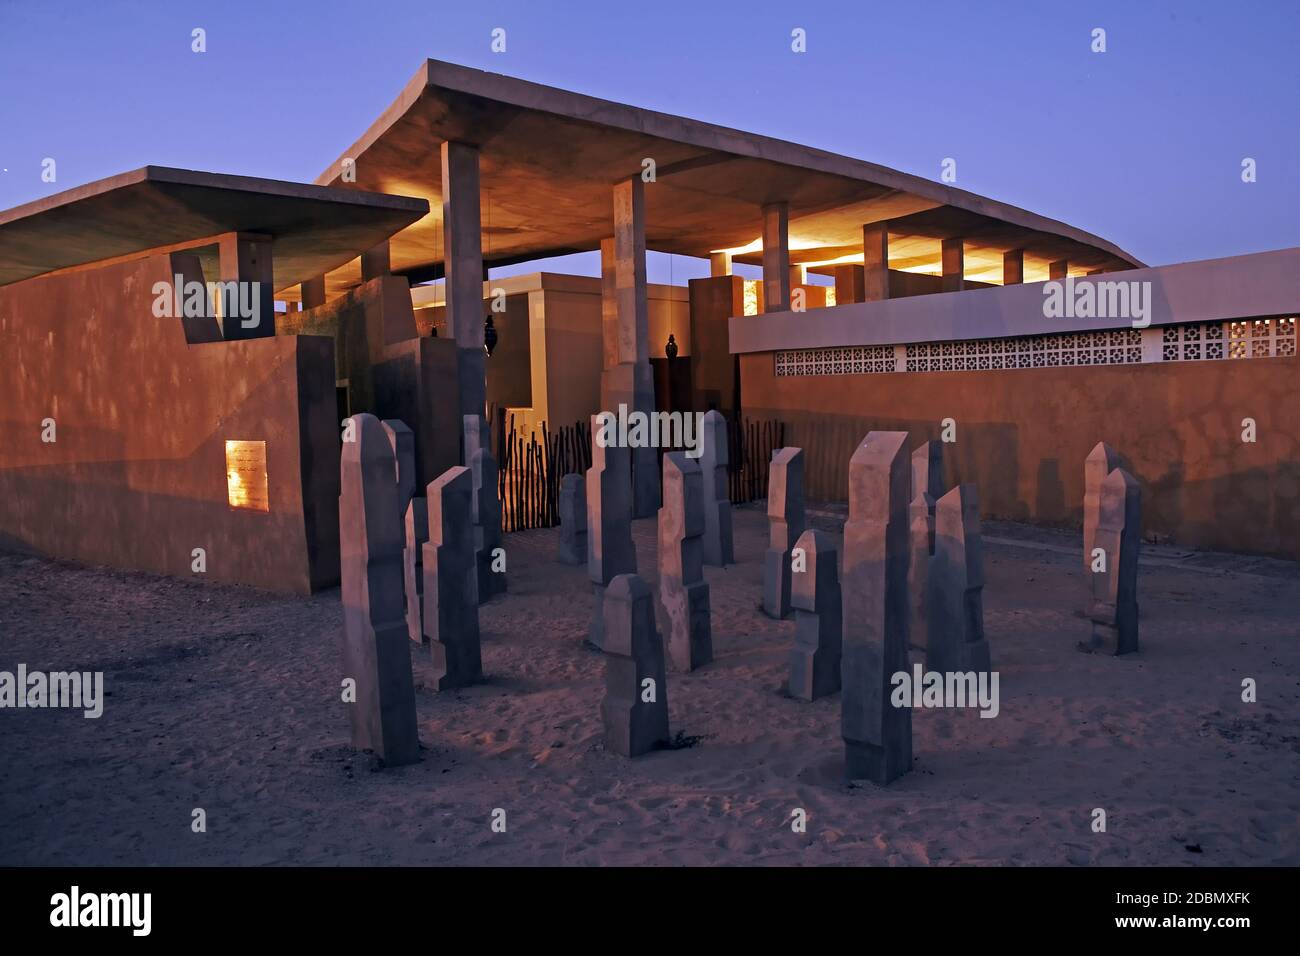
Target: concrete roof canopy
[314, 228]
[548, 158]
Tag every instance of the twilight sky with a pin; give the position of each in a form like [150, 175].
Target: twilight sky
[1141, 145]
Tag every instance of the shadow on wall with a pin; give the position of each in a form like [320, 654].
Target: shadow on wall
[1252, 510]
[985, 449]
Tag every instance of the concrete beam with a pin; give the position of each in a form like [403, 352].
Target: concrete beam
[776, 257]
[1013, 267]
[375, 262]
[875, 262]
[720, 264]
[245, 258]
[463, 266]
[954, 264]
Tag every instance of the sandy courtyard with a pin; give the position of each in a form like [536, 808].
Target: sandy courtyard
[228, 699]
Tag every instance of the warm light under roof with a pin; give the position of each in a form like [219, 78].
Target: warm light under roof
[796, 245]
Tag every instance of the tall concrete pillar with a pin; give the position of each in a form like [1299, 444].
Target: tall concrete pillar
[608, 302]
[463, 267]
[608, 319]
[629, 271]
[1058, 269]
[247, 309]
[875, 262]
[375, 262]
[776, 257]
[954, 264]
[631, 382]
[1013, 267]
[313, 292]
[720, 264]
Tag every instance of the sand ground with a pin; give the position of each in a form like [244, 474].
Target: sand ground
[228, 699]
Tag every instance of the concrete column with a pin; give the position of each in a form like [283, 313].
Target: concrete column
[246, 309]
[608, 318]
[720, 264]
[629, 270]
[375, 262]
[1013, 267]
[313, 292]
[1058, 269]
[632, 381]
[875, 263]
[798, 276]
[463, 267]
[849, 284]
[954, 265]
[776, 257]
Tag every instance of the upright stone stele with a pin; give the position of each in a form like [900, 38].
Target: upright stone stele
[921, 527]
[1114, 610]
[450, 590]
[609, 521]
[877, 735]
[683, 593]
[1101, 461]
[485, 506]
[375, 645]
[417, 533]
[719, 551]
[403, 441]
[785, 518]
[927, 470]
[635, 708]
[927, 489]
[573, 519]
[956, 642]
[815, 594]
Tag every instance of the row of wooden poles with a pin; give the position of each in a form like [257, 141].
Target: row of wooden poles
[531, 466]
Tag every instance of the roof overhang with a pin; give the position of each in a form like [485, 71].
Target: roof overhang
[314, 228]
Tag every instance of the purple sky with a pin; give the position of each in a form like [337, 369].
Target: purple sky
[1141, 145]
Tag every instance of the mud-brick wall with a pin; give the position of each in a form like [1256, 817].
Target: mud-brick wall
[137, 475]
[1023, 435]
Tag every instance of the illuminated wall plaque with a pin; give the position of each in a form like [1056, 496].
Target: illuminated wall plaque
[246, 475]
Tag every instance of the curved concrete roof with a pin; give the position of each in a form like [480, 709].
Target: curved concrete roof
[548, 157]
